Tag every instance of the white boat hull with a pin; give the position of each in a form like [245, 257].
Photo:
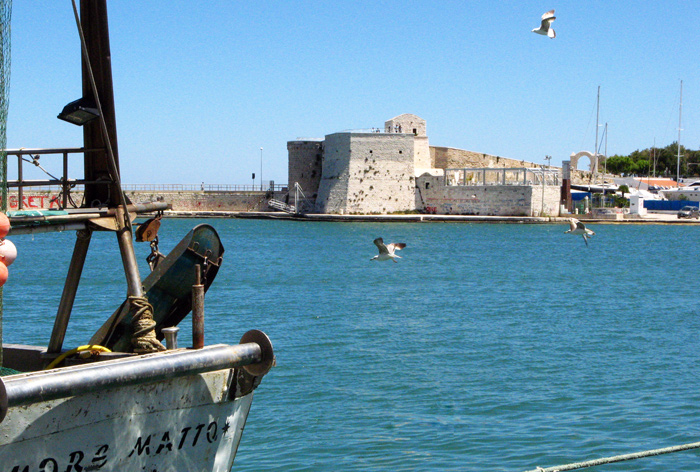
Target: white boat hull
[183, 424]
[181, 410]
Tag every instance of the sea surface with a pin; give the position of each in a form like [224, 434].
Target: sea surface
[487, 347]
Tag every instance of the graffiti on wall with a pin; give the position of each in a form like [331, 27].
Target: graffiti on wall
[35, 202]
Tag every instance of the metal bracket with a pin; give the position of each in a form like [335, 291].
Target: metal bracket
[248, 377]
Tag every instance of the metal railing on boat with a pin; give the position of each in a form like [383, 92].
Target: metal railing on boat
[24, 389]
[39, 221]
[65, 183]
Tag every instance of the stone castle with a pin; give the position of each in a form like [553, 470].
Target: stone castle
[391, 170]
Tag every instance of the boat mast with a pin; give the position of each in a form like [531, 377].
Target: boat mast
[103, 182]
[605, 151]
[595, 147]
[97, 83]
[97, 80]
[678, 158]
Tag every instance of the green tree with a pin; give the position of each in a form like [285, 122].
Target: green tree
[619, 164]
[662, 161]
[641, 167]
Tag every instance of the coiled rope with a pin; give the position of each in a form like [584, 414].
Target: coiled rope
[144, 338]
[620, 458]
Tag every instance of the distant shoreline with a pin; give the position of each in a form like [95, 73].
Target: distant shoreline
[652, 218]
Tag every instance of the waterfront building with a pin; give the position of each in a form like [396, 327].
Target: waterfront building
[394, 169]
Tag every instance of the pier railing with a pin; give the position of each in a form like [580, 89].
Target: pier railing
[202, 187]
[48, 186]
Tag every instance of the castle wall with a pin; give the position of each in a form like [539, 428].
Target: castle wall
[451, 158]
[210, 200]
[497, 200]
[421, 153]
[305, 165]
[367, 173]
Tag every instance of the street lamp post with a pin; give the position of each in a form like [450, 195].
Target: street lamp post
[261, 181]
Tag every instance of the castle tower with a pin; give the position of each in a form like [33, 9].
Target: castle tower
[367, 173]
[415, 126]
[305, 165]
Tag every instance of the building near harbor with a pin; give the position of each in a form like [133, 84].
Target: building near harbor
[394, 169]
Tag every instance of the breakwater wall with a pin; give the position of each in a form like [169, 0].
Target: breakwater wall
[179, 200]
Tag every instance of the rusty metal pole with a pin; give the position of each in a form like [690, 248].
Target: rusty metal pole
[198, 309]
[126, 248]
[75, 270]
[64, 185]
[20, 180]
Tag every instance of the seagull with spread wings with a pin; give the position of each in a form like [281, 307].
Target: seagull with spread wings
[546, 26]
[386, 251]
[576, 227]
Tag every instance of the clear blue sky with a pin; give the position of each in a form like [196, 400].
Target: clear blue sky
[201, 86]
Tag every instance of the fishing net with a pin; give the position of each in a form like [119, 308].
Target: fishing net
[7, 371]
[5, 15]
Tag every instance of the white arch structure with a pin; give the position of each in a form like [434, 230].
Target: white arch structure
[576, 156]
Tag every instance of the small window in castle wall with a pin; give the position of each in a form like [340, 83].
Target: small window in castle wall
[400, 152]
[427, 185]
[415, 131]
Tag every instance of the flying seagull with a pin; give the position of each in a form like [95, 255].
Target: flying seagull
[546, 26]
[386, 251]
[576, 227]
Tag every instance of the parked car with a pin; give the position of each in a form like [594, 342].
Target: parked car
[689, 212]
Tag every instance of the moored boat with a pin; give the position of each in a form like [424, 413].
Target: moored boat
[123, 401]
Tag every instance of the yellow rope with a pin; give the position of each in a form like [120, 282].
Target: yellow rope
[87, 347]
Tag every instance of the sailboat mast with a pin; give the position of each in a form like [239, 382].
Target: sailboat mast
[605, 152]
[595, 147]
[678, 158]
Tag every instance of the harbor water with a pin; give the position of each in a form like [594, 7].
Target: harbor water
[487, 347]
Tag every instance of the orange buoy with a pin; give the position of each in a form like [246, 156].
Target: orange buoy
[8, 252]
[4, 225]
[3, 274]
